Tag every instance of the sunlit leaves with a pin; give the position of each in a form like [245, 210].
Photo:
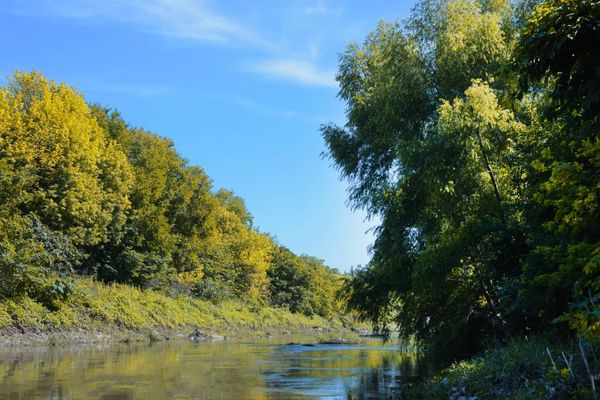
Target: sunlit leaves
[470, 44]
[82, 192]
[76, 179]
[488, 200]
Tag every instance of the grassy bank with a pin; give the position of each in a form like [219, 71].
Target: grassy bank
[538, 368]
[116, 312]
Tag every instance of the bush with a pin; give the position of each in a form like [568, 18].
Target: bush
[36, 261]
[209, 289]
[537, 368]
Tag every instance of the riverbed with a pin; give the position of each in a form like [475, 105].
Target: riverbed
[276, 368]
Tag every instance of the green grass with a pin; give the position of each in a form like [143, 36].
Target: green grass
[123, 308]
[523, 369]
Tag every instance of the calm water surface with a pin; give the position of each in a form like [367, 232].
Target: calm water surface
[259, 369]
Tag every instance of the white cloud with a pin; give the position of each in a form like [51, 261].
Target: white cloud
[320, 8]
[189, 19]
[298, 70]
[200, 21]
[194, 20]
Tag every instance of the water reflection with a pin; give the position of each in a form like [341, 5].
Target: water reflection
[226, 370]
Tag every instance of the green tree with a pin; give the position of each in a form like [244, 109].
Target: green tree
[237, 257]
[430, 145]
[82, 192]
[303, 284]
[558, 62]
[235, 204]
[289, 282]
[488, 199]
[165, 232]
[324, 285]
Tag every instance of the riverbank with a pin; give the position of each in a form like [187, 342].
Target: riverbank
[96, 312]
[536, 368]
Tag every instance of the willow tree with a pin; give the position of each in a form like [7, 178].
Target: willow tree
[428, 146]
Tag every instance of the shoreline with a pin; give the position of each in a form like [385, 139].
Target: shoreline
[99, 313]
[11, 338]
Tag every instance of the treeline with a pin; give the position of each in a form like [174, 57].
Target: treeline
[473, 133]
[83, 193]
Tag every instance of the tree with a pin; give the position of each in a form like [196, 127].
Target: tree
[84, 193]
[324, 285]
[64, 186]
[430, 146]
[289, 282]
[303, 284]
[73, 177]
[165, 231]
[234, 204]
[558, 62]
[488, 198]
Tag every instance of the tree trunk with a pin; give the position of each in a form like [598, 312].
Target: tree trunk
[490, 171]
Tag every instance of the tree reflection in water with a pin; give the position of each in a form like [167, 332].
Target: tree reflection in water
[263, 369]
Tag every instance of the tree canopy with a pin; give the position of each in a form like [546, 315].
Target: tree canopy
[83, 193]
[472, 132]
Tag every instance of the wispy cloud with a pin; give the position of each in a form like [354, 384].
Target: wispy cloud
[292, 56]
[189, 19]
[301, 71]
[319, 7]
[194, 20]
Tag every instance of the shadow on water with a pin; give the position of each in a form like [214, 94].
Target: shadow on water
[263, 369]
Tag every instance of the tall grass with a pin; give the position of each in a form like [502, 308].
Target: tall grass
[536, 368]
[125, 308]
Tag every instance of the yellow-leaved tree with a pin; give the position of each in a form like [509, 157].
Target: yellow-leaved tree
[64, 186]
[74, 178]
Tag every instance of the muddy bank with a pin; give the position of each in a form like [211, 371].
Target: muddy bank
[11, 337]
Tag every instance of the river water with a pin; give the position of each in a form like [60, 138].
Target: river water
[232, 369]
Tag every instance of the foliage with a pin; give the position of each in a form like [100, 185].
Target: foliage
[83, 193]
[289, 281]
[118, 308]
[472, 133]
[302, 284]
[559, 43]
[36, 262]
[537, 368]
[63, 186]
[556, 56]
[62, 166]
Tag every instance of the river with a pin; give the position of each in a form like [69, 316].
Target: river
[233, 369]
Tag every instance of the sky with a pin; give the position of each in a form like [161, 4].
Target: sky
[240, 86]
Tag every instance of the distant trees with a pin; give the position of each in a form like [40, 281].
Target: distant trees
[472, 131]
[302, 283]
[81, 192]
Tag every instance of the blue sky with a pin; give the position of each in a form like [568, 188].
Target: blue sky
[240, 86]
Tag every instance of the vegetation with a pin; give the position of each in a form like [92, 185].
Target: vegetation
[532, 369]
[82, 194]
[472, 134]
[121, 310]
